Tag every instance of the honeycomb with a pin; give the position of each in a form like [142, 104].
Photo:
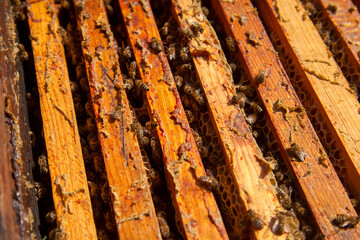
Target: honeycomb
[227, 195]
[333, 41]
[316, 117]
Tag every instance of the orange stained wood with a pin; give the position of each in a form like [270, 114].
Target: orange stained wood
[345, 18]
[319, 183]
[131, 198]
[240, 149]
[195, 204]
[322, 79]
[66, 164]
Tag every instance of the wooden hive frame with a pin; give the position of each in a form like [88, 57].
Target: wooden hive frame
[331, 124]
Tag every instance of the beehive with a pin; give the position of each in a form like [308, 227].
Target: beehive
[179, 119]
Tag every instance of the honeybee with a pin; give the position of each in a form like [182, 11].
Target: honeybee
[93, 141]
[279, 176]
[184, 54]
[56, 233]
[40, 190]
[247, 89]
[239, 98]
[127, 85]
[231, 44]
[197, 138]
[178, 80]
[43, 164]
[279, 224]
[196, 28]
[89, 109]
[151, 125]
[332, 7]
[255, 134]
[345, 221]
[255, 107]
[190, 116]
[278, 105]
[99, 163]
[284, 196]
[23, 55]
[164, 31]
[93, 189]
[156, 151]
[132, 69]
[156, 45]
[109, 221]
[184, 67]
[105, 193]
[299, 208]
[90, 124]
[308, 231]
[299, 235]
[195, 94]
[209, 181]
[251, 119]
[187, 34]
[50, 217]
[164, 227]
[127, 53]
[141, 85]
[256, 221]
[260, 78]
[139, 131]
[154, 178]
[205, 11]
[297, 152]
[171, 52]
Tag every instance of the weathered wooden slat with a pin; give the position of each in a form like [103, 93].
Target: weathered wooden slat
[20, 154]
[339, 26]
[131, 199]
[66, 164]
[195, 204]
[289, 126]
[240, 149]
[9, 226]
[321, 78]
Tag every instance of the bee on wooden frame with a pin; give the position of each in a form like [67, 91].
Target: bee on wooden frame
[156, 45]
[255, 220]
[209, 181]
[345, 221]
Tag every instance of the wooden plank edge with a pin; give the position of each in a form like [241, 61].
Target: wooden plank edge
[240, 149]
[261, 55]
[131, 198]
[66, 165]
[174, 130]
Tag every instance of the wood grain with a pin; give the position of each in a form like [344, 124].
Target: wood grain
[323, 201]
[131, 199]
[195, 204]
[240, 149]
[66, 164]
[18, 138]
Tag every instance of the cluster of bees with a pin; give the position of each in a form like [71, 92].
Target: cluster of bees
[145, 130]
[295, 212]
